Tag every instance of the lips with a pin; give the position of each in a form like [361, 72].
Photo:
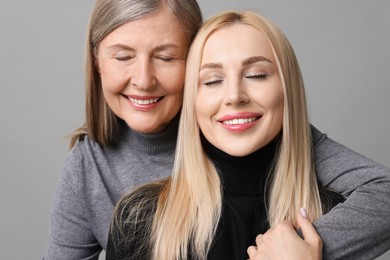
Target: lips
[239, 121]
[143, 103]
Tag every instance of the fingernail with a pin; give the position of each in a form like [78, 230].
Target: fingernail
[303, 212]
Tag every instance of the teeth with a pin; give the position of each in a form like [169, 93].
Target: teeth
[143, 101]
[239, 121]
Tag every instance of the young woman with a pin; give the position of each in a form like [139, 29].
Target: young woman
[246, 160]
[135, 64]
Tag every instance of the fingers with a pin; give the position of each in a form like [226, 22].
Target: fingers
[308, 231]
[251, 252]
[259, 239]
[283, 242]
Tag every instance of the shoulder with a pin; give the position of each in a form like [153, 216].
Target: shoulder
[343, 169]
[81, 153]
[317, 136]
[325, 148]
[82, 157]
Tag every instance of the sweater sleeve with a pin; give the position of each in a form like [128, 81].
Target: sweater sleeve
[70, 236]
[359, 228]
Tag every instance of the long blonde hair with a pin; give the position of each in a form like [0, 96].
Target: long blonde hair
[102, 125]
[189, 204]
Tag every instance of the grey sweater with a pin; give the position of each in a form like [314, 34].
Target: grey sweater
[95, 177]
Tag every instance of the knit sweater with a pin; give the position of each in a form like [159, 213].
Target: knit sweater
[243, 215]
[95, 177]
[93, 180]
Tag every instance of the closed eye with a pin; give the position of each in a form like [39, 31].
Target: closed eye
[256, 76]
[124, 58]
[213, 82]
[165, 59]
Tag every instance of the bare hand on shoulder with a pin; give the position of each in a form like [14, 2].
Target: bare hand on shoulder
[282, 242]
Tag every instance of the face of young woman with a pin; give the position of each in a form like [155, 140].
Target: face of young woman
[239, 106]
[142, 65]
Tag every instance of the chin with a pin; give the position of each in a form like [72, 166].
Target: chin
[238, 152]
[146, 125]
[142, 128]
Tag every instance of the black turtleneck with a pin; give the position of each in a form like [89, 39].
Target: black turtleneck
[243, 210]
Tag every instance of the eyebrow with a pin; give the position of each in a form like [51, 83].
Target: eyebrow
[245, 62]
[255, 59]
[119, 46]
[167, 46]
[158, 48]
[211, 66]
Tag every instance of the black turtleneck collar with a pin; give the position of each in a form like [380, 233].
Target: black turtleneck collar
[243, 175]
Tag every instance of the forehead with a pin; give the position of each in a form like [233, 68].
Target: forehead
[236, 40]
[157, 27]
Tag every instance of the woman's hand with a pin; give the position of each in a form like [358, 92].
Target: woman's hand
[282, 242]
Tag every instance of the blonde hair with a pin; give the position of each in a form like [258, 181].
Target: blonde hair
[102, 125]
[189, 204]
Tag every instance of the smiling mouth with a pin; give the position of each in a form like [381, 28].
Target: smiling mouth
[240, 121]
[143, 101]
[149, 101]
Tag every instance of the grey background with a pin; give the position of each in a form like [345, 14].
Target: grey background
[342, 47]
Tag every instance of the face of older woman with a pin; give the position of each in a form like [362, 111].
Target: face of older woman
[142, 65]
[239, 106]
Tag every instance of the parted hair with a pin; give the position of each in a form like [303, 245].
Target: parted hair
[101, 124]
[189, 203]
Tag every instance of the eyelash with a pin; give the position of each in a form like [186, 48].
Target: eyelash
[165, 59]
[252, 76]
[124, 58]
[257, 76]
[213, 82]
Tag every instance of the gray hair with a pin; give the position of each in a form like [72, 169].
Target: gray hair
[102, 125]
[109, 15]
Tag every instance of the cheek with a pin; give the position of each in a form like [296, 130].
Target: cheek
[275, 100]
[176, 87]
[279, 103]
[172, 79]
[113, 79]
[206, 107]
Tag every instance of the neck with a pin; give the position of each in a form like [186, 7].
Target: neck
[155, 143]
[243, 175]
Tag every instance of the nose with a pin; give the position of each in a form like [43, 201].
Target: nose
[143, 74]
[236, 93]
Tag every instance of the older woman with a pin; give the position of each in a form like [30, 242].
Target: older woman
[244, 163]
[135, 64]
